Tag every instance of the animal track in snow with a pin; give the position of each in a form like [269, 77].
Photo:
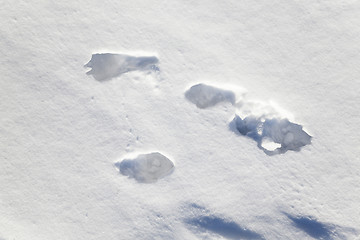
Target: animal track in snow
[262, 122]
[146, 168]
[204, 96]
[109, 65]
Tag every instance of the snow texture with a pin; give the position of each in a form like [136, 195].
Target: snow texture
[146, 168]
[109, 65]
[288, 135]
[204, 96]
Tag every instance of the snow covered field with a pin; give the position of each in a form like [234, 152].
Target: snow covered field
[179, 120]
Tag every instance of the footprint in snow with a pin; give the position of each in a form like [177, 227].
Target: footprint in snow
[273, 135]
[146, 168]
[259, 121]
[204, 96]
[109, 65]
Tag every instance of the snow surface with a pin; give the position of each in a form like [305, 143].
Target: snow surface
[62, 131]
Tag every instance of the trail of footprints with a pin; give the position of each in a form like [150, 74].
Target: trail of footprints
[273, 133]
[258, 121]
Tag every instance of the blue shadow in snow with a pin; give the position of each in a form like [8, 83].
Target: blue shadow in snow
[226, 229]
[312, 227]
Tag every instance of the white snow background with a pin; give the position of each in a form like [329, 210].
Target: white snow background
[62, 132]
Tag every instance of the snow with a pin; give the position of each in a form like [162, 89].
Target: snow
[62, 131]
